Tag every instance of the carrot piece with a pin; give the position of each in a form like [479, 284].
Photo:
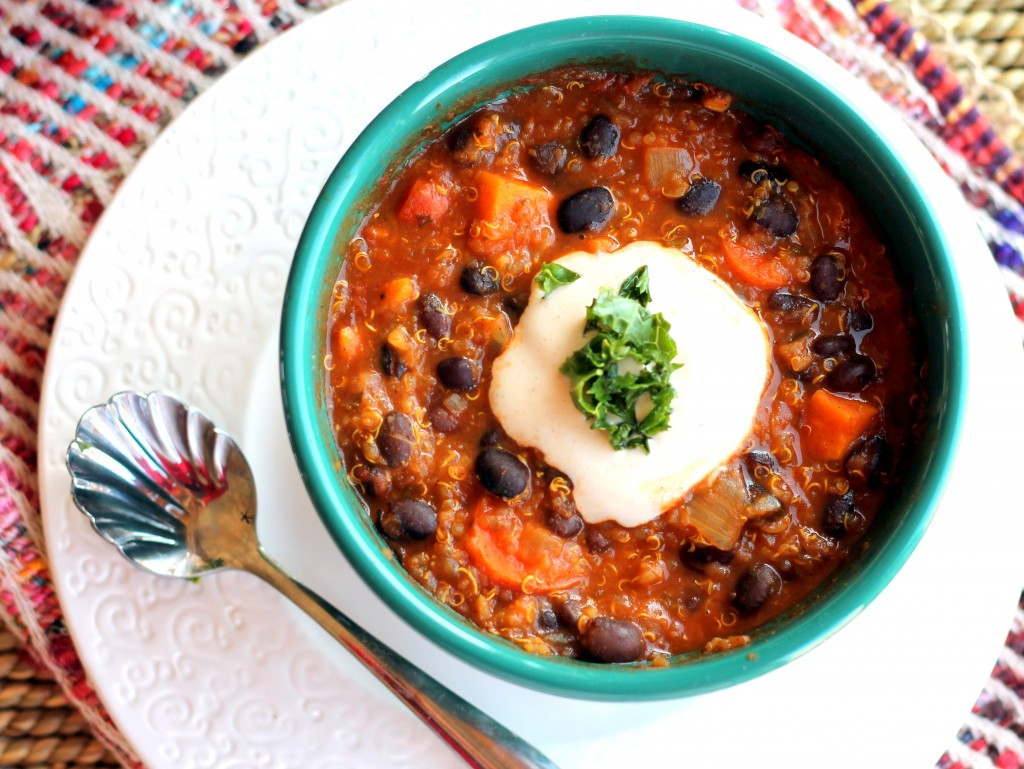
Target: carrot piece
[521, 555]
[511, 214]
[715, 99]
[426, 200]
[833, 424]
[399, 292]
[755, 268]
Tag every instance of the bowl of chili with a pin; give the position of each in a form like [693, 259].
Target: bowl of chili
[503, 159]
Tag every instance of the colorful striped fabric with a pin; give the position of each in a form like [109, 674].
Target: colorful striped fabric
[86, 86]
[966, 132]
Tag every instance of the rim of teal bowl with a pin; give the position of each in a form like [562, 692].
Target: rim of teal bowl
[302, 339]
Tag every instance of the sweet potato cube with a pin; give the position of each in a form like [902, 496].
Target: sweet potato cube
[832, 424]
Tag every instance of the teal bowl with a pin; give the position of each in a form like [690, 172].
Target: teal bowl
[775, 88]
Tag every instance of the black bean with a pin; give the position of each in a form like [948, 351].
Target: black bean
[409, 519]
[612, 640]
[490, 437]
[700, 198]
[790, 304]
[756, 587]
[852, 375]
[515, 304]
[547, 619]
[376, 480]
[396, 439]
[600, 137]
[442, 420]
[760, 138]
[479, 280]
[549, 158]
[565, 526]
[854, 523]
[699, 557]
[590, 209]
[835, 514]
[869, 462]
[778, 174]
[462, 135]
[435, 320]
[760, 457]
[479, 138]
[390, 362]
[563, 518]
[858, 319]
[758, 172]
[686, 92]
[776, 215]
[568, 610]
[458, 373]
[752, 171]
[597, 542]
[827, 277]
[831, 345]
[502, 473]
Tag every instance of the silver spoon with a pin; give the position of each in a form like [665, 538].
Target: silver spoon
[176, 496]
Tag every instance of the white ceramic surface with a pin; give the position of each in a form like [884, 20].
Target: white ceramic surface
[179, 289]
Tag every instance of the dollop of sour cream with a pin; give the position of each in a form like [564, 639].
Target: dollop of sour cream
[724, 351]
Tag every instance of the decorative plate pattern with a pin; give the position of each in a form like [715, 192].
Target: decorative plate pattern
[179, 289]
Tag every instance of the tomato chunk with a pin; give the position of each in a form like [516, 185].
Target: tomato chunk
[426, 200]
[754, 267]
[521, 555]
[833, 424]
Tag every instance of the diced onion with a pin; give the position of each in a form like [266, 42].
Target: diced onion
[374, 393]
[372, 453]
[719, 512]
[764, 505]
[668, 170]
[501, 335]
[455, 403]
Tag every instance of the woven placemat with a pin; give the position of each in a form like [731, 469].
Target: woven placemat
[982, 40]
[39, 728]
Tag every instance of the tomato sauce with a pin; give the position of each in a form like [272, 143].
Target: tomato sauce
[440, 270]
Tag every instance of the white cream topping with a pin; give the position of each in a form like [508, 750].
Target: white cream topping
[723, 348]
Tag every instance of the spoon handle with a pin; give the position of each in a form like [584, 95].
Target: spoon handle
[481, 741]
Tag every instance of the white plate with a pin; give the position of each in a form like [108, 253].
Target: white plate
[179, 289]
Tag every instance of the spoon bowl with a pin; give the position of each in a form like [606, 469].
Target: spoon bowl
[152, 475]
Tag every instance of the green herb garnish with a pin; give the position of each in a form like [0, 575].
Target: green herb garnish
[637, 287]
[552, 276]
[630, 338]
